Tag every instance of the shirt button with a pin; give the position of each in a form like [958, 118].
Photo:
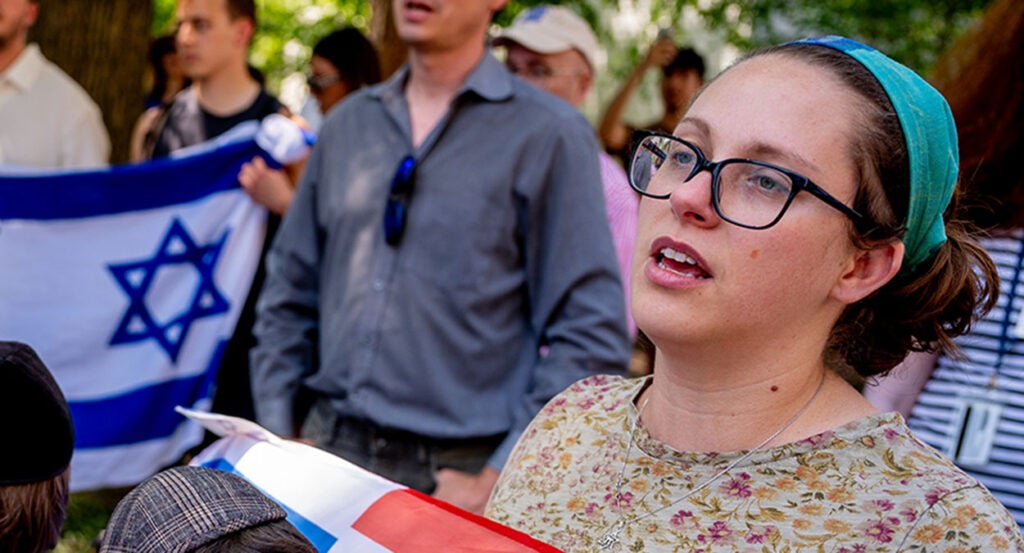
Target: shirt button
[378, 285]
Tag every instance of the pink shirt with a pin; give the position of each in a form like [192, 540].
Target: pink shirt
[622, 203]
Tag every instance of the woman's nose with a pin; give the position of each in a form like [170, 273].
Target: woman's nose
[691, 200]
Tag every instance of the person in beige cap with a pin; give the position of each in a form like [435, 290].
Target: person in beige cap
[554, 49]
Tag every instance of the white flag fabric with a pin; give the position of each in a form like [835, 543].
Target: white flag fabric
[128, 283]
[343, 508]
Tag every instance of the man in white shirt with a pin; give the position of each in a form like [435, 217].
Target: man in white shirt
[46, 118]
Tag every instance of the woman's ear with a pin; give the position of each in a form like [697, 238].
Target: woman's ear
[868, 271]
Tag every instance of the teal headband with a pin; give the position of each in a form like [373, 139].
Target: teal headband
[930, 135]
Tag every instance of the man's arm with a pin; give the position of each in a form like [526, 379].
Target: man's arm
[137, 147]
[573, 282]
[287, 311]
[573, 286]
[613, 131]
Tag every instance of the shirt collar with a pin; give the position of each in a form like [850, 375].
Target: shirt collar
[23, 73]
[489, 80]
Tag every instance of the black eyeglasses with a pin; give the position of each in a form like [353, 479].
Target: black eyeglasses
[745, 192]
[317, 83]
[398, 201]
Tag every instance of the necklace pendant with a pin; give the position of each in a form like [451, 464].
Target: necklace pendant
[611, 537]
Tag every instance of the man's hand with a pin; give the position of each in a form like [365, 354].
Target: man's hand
[468, 491]
[268, 187]
[661, 53]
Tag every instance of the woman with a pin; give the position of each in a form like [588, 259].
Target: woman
[168, 79]
[970, 406]
[764, 286]
[168, 75]
[343, 62]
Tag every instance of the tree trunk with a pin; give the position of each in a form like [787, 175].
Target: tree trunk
[390, 48]
[102, 44]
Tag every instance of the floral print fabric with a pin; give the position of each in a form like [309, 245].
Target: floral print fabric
[866, 486]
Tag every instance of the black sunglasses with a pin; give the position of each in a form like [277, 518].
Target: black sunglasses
[317, 83]
[398, 201]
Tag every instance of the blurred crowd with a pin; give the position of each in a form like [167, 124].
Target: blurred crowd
[470, 290]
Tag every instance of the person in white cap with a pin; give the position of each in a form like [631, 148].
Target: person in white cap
[554, 49]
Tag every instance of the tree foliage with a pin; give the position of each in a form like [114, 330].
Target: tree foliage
[913, 32]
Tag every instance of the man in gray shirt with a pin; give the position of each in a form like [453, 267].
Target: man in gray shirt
[445, 268]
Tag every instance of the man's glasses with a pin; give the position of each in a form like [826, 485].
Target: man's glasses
[395, 211]
[747, 193]
[539, 73]
[317, 83]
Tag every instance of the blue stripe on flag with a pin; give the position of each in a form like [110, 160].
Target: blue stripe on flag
[320, 538]
[102, 423]
[124, 188]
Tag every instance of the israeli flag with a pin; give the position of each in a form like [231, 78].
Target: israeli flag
[128, 283]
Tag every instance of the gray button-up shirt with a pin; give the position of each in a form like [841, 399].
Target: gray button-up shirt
[503, 291]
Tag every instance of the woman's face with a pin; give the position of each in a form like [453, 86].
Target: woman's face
[732, 283]
[333, 89]
[172, 65]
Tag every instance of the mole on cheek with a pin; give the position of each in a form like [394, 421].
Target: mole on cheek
[775, 388]
[753, 254]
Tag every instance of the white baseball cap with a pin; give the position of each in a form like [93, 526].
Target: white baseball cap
[549, 30]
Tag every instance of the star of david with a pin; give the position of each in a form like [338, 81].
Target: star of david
[136, 279]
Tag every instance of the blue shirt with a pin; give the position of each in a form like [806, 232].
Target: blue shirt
[507, 254]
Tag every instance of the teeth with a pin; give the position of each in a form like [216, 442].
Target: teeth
[678, 257]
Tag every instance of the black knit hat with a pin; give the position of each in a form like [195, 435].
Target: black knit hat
[38, 434]
[183, 508]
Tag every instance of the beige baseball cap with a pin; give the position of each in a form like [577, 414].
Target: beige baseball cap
[549, 30]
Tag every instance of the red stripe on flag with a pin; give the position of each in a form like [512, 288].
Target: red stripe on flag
[407, 521]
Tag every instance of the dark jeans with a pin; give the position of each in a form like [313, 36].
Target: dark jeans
[400, 456]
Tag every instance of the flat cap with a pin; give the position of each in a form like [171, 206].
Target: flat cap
[182, 508]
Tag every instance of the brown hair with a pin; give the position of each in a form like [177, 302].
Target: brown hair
[242, 8]
[352, 54]
[982, 77]
[31, 515]
[913, 312]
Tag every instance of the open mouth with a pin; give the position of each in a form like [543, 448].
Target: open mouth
[679, 263]
[417, 7]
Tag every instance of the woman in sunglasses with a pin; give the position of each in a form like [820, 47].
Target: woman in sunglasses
[343, 61]
[790, 244]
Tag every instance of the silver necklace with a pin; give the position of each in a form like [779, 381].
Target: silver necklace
[612, 536]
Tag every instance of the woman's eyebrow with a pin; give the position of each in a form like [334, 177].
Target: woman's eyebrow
[754, 150]
[701, 126]
[787, 157]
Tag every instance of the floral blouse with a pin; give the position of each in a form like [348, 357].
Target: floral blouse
[869, 485]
